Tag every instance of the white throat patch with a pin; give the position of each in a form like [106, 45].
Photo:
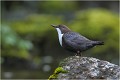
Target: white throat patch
[59, 35]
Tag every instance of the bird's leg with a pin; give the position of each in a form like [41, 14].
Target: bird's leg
[78, 53]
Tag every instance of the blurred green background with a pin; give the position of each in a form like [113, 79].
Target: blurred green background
[29, 45]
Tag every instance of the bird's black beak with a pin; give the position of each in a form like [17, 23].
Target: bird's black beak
[53, 25]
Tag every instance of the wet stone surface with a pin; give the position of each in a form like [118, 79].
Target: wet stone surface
[88, 68]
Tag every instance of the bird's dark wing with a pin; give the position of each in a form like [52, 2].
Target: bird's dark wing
[76, 41]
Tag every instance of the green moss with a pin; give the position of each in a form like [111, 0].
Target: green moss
[53, 76]
[56, 72]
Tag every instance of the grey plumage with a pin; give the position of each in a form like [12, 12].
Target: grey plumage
[73, 41]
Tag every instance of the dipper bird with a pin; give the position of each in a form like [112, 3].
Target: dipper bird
[73, 41]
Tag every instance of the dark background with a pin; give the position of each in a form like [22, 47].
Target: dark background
[29, 45]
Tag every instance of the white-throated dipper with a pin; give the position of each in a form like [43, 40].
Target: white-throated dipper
[73, 41]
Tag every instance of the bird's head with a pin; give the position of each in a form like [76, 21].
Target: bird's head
[61, 28]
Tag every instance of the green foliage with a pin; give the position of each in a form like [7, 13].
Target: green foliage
[96, 24]
[100, 20]
[34, 32]
[36, 25]
[99, 24]
[56, 72]
[13, 45]
[62, 6]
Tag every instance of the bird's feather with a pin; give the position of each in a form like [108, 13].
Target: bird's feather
[75, 41]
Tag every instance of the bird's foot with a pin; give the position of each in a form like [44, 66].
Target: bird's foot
[78, 54]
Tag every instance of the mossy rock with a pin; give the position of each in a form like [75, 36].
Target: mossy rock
[76, 67]
[56, 72]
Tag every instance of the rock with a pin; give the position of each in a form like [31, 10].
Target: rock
[76, 67]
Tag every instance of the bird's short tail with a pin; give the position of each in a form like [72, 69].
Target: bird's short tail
[98, 43]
